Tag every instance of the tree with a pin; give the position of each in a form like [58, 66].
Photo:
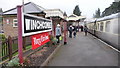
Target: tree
[112, 9]
[1, 13]
[97, 14]
[64, 14]
[77, 11]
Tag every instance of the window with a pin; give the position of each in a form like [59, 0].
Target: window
[98, 27]
[101, 26]
[95, 26]
[7, 21]
[107, 28]
[15, 23]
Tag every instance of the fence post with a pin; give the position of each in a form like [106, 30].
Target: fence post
[10, 47]
[24, 41]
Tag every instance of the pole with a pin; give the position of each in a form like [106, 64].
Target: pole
[19, 18]
[65, 32]
[23, 4]
[52, 26]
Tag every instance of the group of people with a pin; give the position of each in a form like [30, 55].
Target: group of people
[72, 31]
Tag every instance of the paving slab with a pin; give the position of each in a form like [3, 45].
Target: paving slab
[85, 51]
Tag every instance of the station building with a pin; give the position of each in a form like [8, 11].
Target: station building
[10, 24]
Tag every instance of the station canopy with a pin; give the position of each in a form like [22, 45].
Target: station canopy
[74, 17]
[54, 13]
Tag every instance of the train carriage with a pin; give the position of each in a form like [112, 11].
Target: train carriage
[106, 29]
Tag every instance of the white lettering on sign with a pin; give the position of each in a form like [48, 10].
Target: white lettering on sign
[35, 24]
[40, 40]
[28, 24]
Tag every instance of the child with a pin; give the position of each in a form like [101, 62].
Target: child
[74, 33]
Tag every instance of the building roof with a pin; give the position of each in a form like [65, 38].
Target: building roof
[29, 7]
[74, 17]
[54, 13]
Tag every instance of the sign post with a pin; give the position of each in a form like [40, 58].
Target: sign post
[19, 17]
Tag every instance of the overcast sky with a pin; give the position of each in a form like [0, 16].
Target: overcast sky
[87, 7]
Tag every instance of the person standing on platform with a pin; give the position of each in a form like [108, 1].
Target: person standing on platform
[74, 33]
[85, 30]
[58, 33]
[70, 31]
[81, 28]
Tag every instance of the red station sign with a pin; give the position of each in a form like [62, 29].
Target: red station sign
[39, 39]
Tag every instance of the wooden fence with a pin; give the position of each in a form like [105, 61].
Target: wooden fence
[10, 47]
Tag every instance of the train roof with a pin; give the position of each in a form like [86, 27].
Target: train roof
[117, 15]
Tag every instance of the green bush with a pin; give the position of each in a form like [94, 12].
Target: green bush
[51, 37]
[2, 37]
[53, 41]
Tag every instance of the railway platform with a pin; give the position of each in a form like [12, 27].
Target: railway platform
[85, 51]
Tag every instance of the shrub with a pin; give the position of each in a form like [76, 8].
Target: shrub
[53, 41]
[2, 37]
[51, 37]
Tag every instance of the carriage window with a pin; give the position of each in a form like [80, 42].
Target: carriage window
[98, 26]
[115, 28]
[95, 26]
[107, 29]
[92, 26]
[101, 26]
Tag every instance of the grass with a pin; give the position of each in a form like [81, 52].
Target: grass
[28, 47]
[14, 48]
[4, 47]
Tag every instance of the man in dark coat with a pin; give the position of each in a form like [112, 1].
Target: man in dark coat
[85, 30]
[81, 28]
[70, 31]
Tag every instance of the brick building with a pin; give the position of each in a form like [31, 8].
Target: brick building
[10, 25]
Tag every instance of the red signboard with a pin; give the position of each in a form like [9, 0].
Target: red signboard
[39, 39]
